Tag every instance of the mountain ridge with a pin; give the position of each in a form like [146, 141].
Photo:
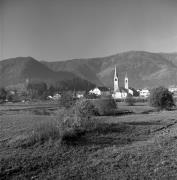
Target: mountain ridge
[17, 70]
[144, 69]
[140, 66]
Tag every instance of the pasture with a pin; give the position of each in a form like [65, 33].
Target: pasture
[140, 145]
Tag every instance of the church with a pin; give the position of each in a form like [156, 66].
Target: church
[120, 93]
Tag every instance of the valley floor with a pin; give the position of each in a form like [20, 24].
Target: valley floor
[135, 146]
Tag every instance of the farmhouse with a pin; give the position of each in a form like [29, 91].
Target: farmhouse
[100, 91]
[80, 94]
[144, 93]
[172, 88]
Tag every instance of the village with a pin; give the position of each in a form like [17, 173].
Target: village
[118, 92]
[88, 90]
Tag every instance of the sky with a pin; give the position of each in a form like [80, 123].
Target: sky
[56, 30]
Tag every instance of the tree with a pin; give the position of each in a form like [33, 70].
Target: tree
[3, 94]
[67, 100]
[37, 90]
[130, 100]
[161, 98]
[91, 96]
[51, 90]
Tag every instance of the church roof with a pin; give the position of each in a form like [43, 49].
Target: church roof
[122, 89]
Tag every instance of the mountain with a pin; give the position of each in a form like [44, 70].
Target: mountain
[16, 70]
[171, 57]
[78, 67]
[144, 69]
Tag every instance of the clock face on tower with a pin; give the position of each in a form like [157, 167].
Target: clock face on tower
[115, 79]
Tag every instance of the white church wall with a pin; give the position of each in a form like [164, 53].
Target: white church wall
[119, 95]
[130, 92]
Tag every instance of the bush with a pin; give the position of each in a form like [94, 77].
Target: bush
[74, 122]
[3, 94]
[67, 100]
[161, 98]
[79, 117]
[37, 90]
[105, 106]
[71, 136]
[130, 100]
[92, 96]
[84, 108]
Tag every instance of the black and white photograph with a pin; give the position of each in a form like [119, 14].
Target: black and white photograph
[88, 89]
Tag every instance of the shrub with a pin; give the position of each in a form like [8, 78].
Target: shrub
[68, 126]
[79, 117]
[37, 90]
[92, 96]
[67, 100]
[105, 106]
[71, 136]
[3, 94]
[130, 100]
[74, 122]
[161, 98]
[84, 108]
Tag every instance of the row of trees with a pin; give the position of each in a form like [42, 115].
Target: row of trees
[33, 91]
[159, 97]
[40, 90]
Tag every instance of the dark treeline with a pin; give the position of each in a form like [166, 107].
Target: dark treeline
[41, 90]
[75, 84]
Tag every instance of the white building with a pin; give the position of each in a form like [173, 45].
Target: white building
[144, 93]
[80, 94]
[120, 93]
[55, 97]
[95, 91]
[172, 88]
[100, 91]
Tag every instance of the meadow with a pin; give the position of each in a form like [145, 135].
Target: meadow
[137, 145]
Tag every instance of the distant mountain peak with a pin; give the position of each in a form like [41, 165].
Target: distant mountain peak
[144, 69]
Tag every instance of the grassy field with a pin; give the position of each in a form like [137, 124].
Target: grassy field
[141, 145]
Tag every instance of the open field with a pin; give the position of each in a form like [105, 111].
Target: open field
[141, 145]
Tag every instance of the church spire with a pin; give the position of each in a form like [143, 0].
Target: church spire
[116, 81]
[115, 72]
[126, 81]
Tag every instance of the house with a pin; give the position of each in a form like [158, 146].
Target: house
[172, 88]
[144, 93]
[95, 91]
[56, 96]
[80, 94]
[100, 91]
[49, 97]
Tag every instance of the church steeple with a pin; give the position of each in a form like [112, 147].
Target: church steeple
[115, 72]
[126, 81]
[116, 81]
